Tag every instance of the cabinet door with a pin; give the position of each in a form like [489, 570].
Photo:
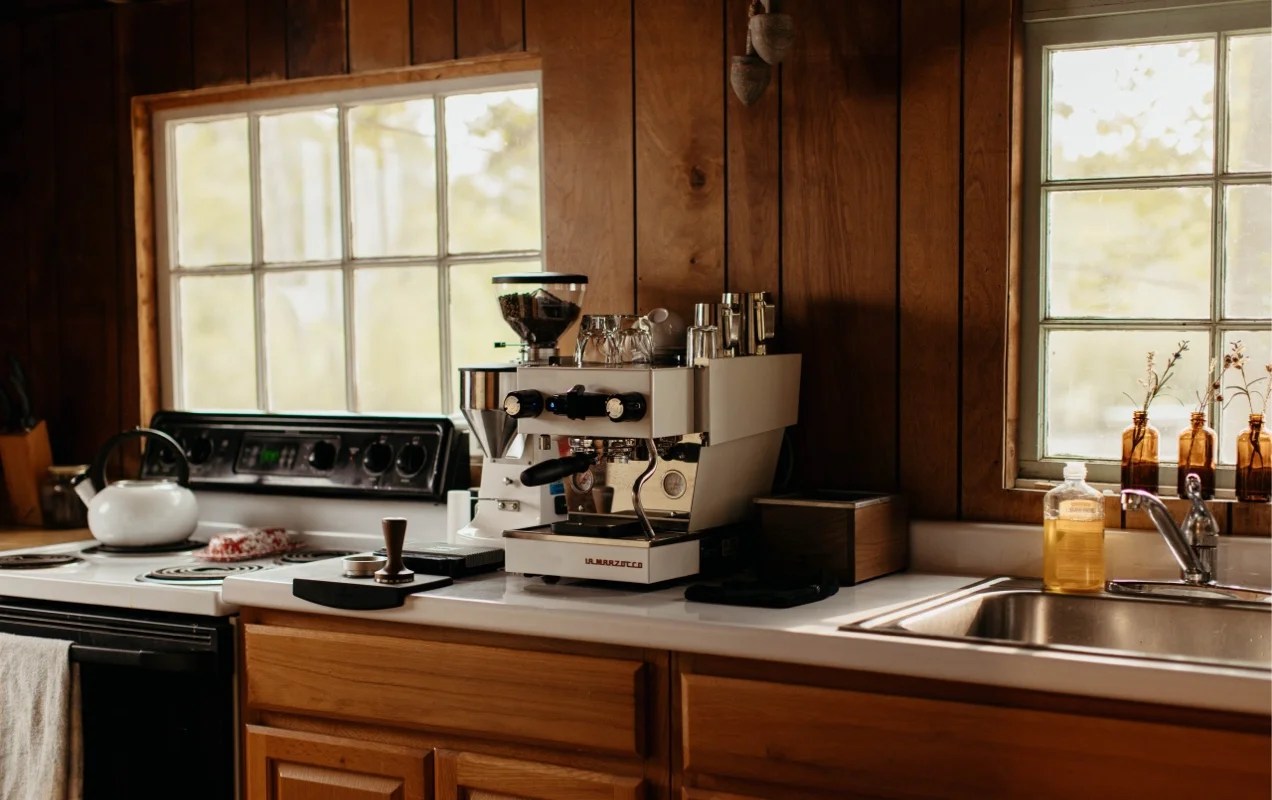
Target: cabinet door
[293, 765]
[469, 776]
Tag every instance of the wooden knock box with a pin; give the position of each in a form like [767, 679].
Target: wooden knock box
[857, 535]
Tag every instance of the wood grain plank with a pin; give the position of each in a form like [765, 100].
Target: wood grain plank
[220, 41]
[266, 40]
[753, 178]
[483, 27]
[931, 61]
[89, 277]
[152, 55]
[473, 776]
[587, 144]
[1250, 519]
[894, 746]
[37, 285]
[991, 115]
[526, 696]
[839, 242]
[432, 31]
[680, 192]
[314, 765]
[316, 38]
[379, 34]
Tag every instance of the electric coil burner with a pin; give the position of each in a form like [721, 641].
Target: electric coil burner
[306, 556]
[36, 561]
[198, 574]
[141, 550]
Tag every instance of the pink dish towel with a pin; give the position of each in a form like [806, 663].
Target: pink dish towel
[41, 752]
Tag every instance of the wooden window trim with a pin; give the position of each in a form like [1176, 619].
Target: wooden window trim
[992, 195]
[144, 109]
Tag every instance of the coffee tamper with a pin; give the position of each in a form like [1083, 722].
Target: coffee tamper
[394, 537]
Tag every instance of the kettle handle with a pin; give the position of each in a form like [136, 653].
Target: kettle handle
[97, 472]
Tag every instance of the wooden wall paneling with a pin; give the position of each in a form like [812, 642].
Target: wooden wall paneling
[14, 322]
[152, 55]
[316, 38]
[680, 192]
[991, 115]
[266, 40]
[586, 47]
[483, 27]
[839, 238]
[753, 174]
[432, 30]
[37, 282]
[379, 34]
[931, 196]
[1249, 519]
[85, 250]
[219, 41]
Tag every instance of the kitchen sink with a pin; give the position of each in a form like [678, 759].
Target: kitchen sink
[1018, 612]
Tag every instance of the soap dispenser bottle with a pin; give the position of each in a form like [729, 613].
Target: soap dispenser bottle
[1073, 534]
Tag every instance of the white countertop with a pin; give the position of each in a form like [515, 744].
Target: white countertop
[805, 635]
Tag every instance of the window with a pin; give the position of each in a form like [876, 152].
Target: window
[334, 251]
[1148, 213]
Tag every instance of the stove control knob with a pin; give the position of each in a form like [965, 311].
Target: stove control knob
[523, 403]
[625, 407]
[199, 450]
[411, 459]
[377, 458]
[323, 456]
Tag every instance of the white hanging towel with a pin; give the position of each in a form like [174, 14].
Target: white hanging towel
[40, 747]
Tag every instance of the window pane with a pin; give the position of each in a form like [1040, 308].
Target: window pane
[1129, 253]
[214, 199]
[1248, 250]
[218, 342]
[300, 186]
[492, 171]
[399, 356]
[475, 320]
[392, 148]
[1143, 109]
[1236, 412]
[1250, 103]
[1087, 371]
[304, 340]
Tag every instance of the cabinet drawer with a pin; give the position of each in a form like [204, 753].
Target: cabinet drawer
[885, 745]
[580, 701]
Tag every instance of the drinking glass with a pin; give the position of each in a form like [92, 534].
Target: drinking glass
[633, 340]
[596, 340]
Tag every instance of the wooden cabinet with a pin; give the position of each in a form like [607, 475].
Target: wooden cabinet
[293, 765]
[470, 776]
[812, 741]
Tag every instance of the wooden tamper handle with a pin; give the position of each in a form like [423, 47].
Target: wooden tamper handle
[394, 537]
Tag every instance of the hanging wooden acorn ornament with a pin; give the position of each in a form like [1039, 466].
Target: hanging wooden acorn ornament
[772, 35]
[749, 74]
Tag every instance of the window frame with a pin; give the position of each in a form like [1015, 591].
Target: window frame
[341, 92]
[1042, 35]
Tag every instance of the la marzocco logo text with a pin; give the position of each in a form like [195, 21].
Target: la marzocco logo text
[609, 562]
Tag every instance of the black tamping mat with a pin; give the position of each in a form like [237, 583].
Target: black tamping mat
[362, 594]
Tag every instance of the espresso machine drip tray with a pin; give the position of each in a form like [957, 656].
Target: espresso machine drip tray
[612, 526]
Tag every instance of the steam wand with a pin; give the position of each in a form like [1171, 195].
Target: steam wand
[644, 477]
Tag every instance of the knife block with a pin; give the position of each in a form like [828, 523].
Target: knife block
[855, 535]
[25, 459]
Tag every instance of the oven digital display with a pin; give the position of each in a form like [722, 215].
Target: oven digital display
[269, 456]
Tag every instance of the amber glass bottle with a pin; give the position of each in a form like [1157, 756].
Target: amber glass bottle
[1197, 455]
[1254, 463]
[1139, 454]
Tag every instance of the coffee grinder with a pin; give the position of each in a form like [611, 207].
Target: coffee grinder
[539, 307]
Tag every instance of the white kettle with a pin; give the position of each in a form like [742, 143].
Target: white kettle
[138, 513]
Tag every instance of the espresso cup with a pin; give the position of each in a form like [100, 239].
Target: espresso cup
[596, 340]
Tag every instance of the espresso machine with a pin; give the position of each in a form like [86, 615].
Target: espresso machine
[658, 463]
[539, 307]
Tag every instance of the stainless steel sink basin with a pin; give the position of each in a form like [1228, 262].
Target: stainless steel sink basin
[1018, 612]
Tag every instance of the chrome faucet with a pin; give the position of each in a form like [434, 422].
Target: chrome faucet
[1195, 543]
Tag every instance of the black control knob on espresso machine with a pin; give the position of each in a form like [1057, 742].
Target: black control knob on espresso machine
[523, 403]
[626, 407]
[577, 404]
